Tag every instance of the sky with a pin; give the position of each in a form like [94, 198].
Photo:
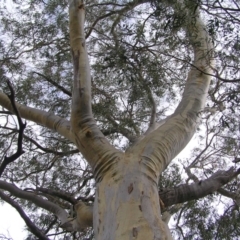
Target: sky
[11, 224]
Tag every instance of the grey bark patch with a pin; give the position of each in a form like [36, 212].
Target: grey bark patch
[130, 188]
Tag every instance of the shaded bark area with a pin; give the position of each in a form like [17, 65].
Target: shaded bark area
[185, 192]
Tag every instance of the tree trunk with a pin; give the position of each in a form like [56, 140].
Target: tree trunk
[127, 202]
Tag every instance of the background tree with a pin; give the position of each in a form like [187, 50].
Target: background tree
[141, 53]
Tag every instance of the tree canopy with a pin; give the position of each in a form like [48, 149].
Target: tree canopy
[140, 55]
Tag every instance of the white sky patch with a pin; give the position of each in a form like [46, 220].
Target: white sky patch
[11, 224]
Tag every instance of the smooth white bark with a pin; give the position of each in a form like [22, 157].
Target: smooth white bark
[163, 144]
[89, 139]
[46, 119]
[127, 204]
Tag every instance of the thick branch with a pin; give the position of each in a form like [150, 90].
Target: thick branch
[55, 209]
[89, 139]
[185, 192]
[32, 227]
[84, 212]
[47, 119]
[162, 145]
[81, 102]
[84, 217]
[233, 195]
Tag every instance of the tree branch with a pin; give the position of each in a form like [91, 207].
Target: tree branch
[48, 150]
[163, 144]
[55, 209]
[88, 138]
[22, 126]
[233, 195]
[84, 217]
[64, 90]
[32, 227]
[62, 195]
[84, 212]
[200, 189]
[120, 12]
[47, 119]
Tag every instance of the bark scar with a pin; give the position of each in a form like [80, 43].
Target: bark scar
[81, 6]
[134, 232]
[130, 188]
[88, 134]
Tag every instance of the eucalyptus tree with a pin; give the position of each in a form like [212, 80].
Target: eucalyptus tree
[96, 108]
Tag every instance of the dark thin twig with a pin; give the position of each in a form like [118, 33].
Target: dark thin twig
[22, 126]
[6, 112]
[64, 90]
[51, 225]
